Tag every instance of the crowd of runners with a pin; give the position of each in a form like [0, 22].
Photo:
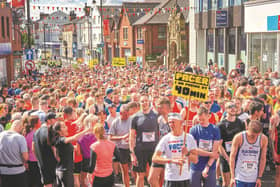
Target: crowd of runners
[72, 127]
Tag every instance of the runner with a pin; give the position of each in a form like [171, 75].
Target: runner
[156, 174]
[143, 138]
[229, 127]
[208, 138]
[172, 147]
[119, 132]
[248, 156]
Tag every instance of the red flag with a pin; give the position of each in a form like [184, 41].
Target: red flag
[17, 3]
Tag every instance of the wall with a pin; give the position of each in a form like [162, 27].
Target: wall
[129, 42]
[256, 16]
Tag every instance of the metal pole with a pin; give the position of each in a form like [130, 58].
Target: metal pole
[101, 55]
[28, 24]
[45, 41]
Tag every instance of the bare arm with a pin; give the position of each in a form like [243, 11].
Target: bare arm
[157, 158]
[25, 156]
[132, 138]
[193, 156]
[263, 155]
[214, 154]
[223, 152]
[76, 136]
[116, 138]
[237, 140]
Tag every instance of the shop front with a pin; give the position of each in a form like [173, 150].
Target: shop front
[263, 34]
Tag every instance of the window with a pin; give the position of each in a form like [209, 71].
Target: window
[162, 32]
[8, 26]
[139, 33]
[210, 41]
[222, 4]
[200, 5]
[220, 40]
[3, 27]
[125, 33]
[231, 39]
[116, 35]
[205, 5]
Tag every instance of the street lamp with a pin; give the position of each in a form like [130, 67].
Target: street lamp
[66, 51]
[87, 14]
[101, 29]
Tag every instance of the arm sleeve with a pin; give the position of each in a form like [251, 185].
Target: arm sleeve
[92, 161]
[161, 145]
[191, 143]
[217, 134]
[117, 153]
[134, 123]
[23, 145]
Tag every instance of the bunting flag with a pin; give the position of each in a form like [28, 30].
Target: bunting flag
[18, 3]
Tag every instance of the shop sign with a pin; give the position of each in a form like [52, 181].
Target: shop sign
[273, 23]
[131, 59]
[187, 85]
[5, 48]
[221, 18]
[140, 41]
[118, 62]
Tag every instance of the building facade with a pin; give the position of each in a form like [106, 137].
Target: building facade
[262, 26]
[220, 35]
[47, 34]
[6, 43]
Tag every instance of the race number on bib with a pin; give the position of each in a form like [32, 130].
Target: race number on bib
[228, 146]
[249, 166]
[205, 145]
[148, 136]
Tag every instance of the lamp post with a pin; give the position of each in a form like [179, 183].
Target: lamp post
[45, 41]
[66, 51]
[101, 29]
[87, 13]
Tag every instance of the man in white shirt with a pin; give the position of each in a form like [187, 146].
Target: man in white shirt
[176, 155]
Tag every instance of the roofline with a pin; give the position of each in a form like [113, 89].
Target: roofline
[259, 2]
[160, 6]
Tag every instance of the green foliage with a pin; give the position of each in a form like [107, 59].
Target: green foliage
[24, 41]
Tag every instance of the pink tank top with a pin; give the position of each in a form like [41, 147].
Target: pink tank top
[104, 150]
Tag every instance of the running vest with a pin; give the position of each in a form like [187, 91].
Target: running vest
[247, 160]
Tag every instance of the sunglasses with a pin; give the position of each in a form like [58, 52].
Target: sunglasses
[231, 106]
[207, 102]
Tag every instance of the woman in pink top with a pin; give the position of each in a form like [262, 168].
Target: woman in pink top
[34, 177]
[102, 153]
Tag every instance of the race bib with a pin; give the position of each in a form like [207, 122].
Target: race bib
[205, 145]
[148, 136]
[228, 146]
[249, 166]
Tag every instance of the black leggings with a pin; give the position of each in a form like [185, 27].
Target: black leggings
[103, 181]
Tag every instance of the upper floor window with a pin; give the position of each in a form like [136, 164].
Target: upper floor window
[139, 33]
[3, 26]
[162, 32]
[8, 26]
[125, 33]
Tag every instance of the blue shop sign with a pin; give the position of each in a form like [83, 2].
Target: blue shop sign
[221, 18]
[5, 48]
[140, 41]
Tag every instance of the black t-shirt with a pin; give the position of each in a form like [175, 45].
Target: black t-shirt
[65, 153]
[146, 87]
[43, 150]
[147, 130]
[228, 130]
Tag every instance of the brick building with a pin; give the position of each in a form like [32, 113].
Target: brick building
[6, 43]
[152, 34]
[131, 12]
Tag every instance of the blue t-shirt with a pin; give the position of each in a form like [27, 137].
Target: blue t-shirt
[205, 137]
[215, 107]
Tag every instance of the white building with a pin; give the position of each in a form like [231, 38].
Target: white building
[262, 25]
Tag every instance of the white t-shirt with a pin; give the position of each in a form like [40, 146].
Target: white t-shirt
[172, 147]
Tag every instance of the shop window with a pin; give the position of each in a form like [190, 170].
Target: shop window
[8, 26]
[125, 33]
[200, 5]
[220, 36]
[210, 41]
[231, 39]
[3, 26]
[162, 32]
[222, 4]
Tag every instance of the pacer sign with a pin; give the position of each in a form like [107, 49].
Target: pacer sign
[187, 85]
